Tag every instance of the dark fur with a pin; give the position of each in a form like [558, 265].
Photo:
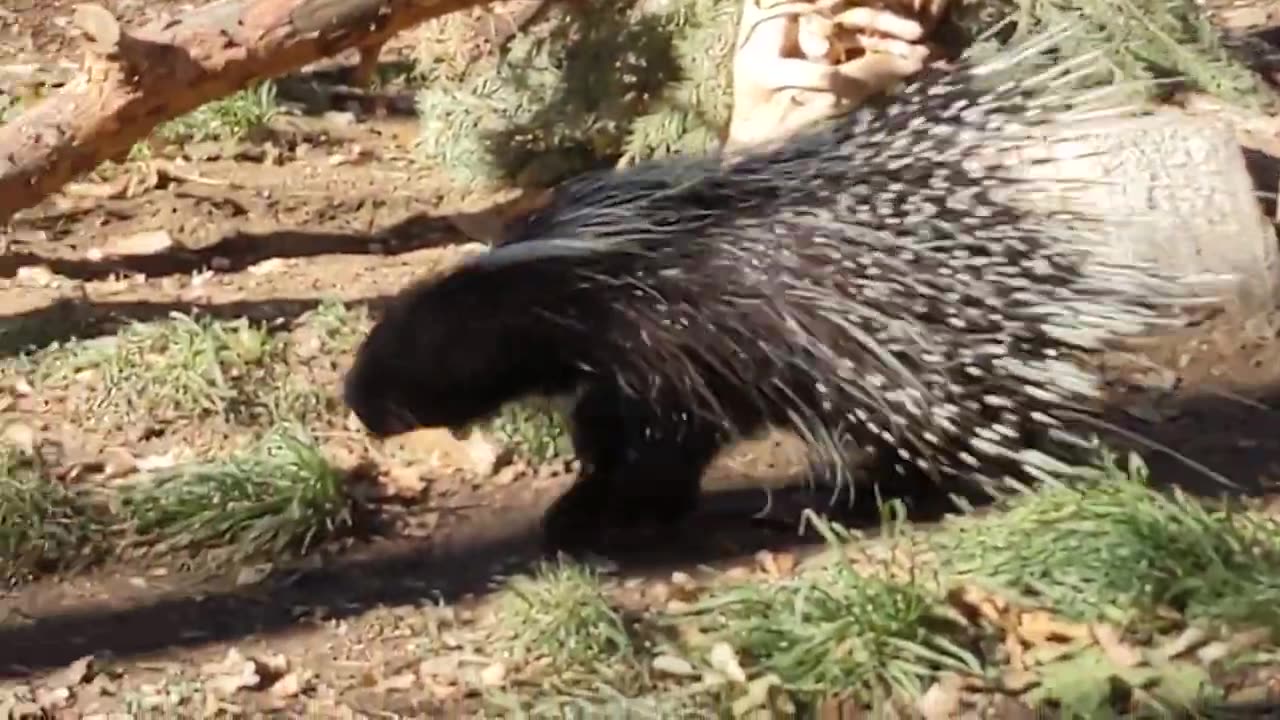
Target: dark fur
[692, 303]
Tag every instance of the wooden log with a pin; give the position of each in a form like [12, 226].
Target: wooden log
[134, 79]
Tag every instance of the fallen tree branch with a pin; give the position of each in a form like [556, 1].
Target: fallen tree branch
[134, 79]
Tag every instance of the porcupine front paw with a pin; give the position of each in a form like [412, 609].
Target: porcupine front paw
[575, 521]
[594, 513]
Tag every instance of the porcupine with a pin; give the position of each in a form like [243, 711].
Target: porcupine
[864, 282]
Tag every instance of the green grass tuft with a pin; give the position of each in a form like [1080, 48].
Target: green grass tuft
[1113, 547]
[227, 118]
[536, 432]
[836, 631]
[45, 525]
[340, 327]
[182, 369]
[561, 612]
[280, 497]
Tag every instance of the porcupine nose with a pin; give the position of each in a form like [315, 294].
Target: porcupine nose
[364, 395]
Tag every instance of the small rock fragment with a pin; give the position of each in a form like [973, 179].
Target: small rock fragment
[21, 437]
[268, 266]
[253, 574]
[36, 276]
[118, 462]
[287, 686]
[942, 700]
[671, 665]
[399, 682]
[493, 675]
[151, 242]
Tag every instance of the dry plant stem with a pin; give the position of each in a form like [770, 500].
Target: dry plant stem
[134, 79]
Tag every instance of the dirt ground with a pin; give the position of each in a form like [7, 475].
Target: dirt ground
[330, 205]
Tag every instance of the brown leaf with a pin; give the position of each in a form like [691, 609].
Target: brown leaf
[406, 483]
[21, 437]
[289, 685]
[402, 681]
[77, 673]
[117, 462]
[764, 560]
[493, 675]
[1188, 640]
[1111, 642]
[1039, 627]
[942, 700]
[268, 266]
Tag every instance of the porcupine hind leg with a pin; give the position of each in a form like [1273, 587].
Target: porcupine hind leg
[642, 467]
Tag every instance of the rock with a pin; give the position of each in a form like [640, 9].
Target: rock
[151, 242]
[253, 574]
[36, 276]
[493, 675]
[77, 673]
[671, 665]
[287, 686]
[1178, 194]
[21, 437]
[268, 266]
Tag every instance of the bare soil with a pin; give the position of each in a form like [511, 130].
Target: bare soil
[331, 205]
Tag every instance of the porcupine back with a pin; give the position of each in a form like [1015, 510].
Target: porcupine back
[878, 280]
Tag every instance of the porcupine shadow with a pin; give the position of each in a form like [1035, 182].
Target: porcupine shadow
[906, 308]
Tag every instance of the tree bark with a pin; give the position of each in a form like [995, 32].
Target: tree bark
[133, 80]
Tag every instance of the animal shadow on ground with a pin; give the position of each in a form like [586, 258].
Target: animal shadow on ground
[489, 543]
[1238, 439]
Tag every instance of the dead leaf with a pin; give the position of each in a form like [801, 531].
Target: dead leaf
[764, 561]
[400, 682]
[36, 276]
[253, 574]
[21, 437]
[113, 188]
[942, 700]
[493, 675]
[724, 660]
[117, 462]
[52, 699]
[287, 686]
[509, 474]
[159, 462]
[1040, 627]
[1113, 645]
[273, 665]
[268, 266]
[683, 586]
[77, 673]
[1188, 640]
[442, 666]
[402, 482]
[1018, 681]
[757, 697]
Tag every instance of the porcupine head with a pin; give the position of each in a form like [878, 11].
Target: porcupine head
[900, 293]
